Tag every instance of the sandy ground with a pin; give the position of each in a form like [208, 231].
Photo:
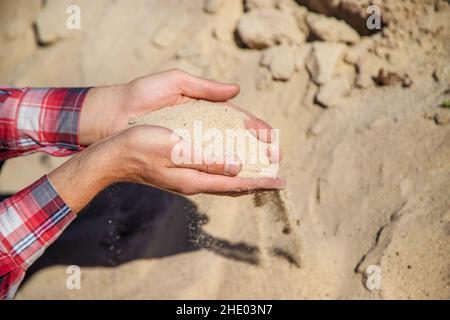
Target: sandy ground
[366, 153]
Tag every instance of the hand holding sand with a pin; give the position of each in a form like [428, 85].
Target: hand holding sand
[142, 154]
[108, 109]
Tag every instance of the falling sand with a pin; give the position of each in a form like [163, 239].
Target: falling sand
[216, 120]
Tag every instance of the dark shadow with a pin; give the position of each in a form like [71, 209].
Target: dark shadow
[238, 41]
[130, 221]
[344, 12]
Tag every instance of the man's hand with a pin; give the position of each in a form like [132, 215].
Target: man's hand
[142, 155]
[107, 109]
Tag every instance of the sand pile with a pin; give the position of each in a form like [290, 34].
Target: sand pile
[215, 130]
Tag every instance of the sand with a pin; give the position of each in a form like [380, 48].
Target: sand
[367, 168]
[217, 125]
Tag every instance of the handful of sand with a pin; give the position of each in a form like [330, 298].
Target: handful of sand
[215, 128]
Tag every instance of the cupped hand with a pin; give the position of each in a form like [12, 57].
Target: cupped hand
[147, 160]
[108, 109]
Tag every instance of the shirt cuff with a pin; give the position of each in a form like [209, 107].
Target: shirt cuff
[31, 220]
[59, 117]
[41, 119]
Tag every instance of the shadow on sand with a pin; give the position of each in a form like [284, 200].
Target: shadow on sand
[129, 221]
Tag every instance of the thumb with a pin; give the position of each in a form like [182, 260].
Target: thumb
[198, 88]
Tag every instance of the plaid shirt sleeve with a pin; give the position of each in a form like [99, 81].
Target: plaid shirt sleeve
[34, 120]
[30, 221]
[40, 119]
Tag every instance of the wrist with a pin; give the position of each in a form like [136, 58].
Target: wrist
[101, 109]
[83, 176]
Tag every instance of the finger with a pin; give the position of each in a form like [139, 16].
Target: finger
[208, 183]
[274, 153]
[257, 127]
[198, 88]
[229, 166]
[164, 140]
[235, 194]
[260, 129]
[238, 185]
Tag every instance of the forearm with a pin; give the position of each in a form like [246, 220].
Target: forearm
[33, 219]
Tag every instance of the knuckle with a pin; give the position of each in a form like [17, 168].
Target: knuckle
[137, 132]
[132, 135]
[188, 191]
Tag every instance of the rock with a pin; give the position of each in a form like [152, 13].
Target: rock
[225, 24]
[263, 28]
[164, 37]
[264, 79]
[442, 74]
[356, 52]
[212, 6]
[389, 78]
[299, 13]
[281, 62]
[301, 54]
[329, 94]
[222, 32]
[368, 67]
[440, 117]
[258, 4]
[322, 60]
[331, 29]
[51, 22]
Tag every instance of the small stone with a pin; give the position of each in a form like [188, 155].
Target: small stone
[213, 6]
[164, 37]
[322, 60]
[264, 79]
[329, 94]
[356, 52]
[281, 62]
[263, 28]
[299, 13]
[301, 54]
[367, 69]
[389, 78]
[442, 74]
[331, 29]
[258, 4]
[223, 33]
[440, 117]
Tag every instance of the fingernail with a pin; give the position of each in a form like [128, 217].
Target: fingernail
[232, 167]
